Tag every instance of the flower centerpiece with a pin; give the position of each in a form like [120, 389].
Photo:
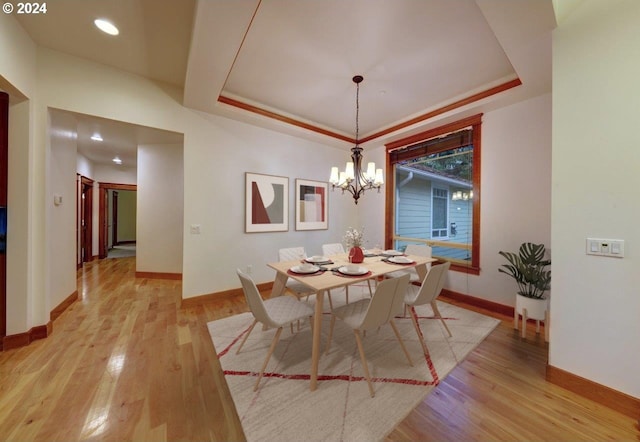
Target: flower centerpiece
[354, 239]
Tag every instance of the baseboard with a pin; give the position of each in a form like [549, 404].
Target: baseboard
[230, 294]
[616, 400]
[478, 302]
[60, 308]
[39, 331]
[23, 339]
[128, 242]
[159, 275]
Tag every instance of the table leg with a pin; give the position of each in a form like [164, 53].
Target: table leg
[279, 284]
[317, 331]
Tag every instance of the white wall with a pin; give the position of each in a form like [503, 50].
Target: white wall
[84, 166]
[114, 174]
[61, 225]
[516, 192]
[18, 78]
[18, 61]
[595, 304]
[19, 277]
[218, 152]
[160, 206]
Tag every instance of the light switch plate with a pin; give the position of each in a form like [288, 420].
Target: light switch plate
[195, 229]
[605, 247]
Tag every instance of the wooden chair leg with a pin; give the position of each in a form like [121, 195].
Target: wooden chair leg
[524, 323]
[333, 321]
[414, 319]
[363, 360]
[275, 340]
[330, 301]
[404, 349]
[246, 336]
[346, 289]
[434, 307]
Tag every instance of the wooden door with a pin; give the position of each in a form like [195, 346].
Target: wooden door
[86, 220]
[114, 219]
[4, 170]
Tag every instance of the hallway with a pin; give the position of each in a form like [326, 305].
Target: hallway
[124, 362]
[122, 251]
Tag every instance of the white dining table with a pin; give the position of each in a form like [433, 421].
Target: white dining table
[321, 282]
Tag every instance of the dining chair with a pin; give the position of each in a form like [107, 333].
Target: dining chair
[292, 254]
[427, 293]
[367, 314]
[337, 249]
[272, 313]
[413, 249]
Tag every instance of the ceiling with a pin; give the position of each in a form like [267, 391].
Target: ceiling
[288, 64]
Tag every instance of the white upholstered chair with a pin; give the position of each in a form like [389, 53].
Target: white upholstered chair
[413, 249]
[427, 293]
[336, 249]
[272, 313]
[368, 314]
[293, 254]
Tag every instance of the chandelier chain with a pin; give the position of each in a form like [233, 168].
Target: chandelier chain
[357, 111]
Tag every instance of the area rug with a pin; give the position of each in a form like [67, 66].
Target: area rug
[341, 409]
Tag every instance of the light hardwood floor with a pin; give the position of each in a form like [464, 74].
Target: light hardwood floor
[126, 363]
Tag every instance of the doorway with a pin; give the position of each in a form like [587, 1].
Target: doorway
[104, 231]
[85, 220]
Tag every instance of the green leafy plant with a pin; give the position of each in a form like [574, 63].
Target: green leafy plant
[529, 269]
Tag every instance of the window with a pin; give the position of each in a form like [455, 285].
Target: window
[439, 214]
[433, 196]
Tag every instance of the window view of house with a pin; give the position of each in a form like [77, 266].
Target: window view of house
[433, 197]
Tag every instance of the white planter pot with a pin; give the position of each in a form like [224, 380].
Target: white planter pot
[536, 308]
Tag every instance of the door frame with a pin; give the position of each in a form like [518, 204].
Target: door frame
[86, 214]
[102, 213]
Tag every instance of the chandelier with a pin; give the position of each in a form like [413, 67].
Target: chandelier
[354, 179]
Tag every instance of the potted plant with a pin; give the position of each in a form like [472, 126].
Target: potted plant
[529, 268]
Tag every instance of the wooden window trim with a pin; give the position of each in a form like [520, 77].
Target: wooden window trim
[392, 158]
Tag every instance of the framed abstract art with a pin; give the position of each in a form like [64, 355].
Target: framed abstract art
[266, 203]
[311, 205]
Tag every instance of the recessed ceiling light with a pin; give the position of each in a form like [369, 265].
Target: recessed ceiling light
[117, 160]
[96, 137]
[106, 26]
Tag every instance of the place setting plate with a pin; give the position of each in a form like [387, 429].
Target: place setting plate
[305, 269]
[402, 260]
[346, 271]
[319, 260]
[392, 253]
